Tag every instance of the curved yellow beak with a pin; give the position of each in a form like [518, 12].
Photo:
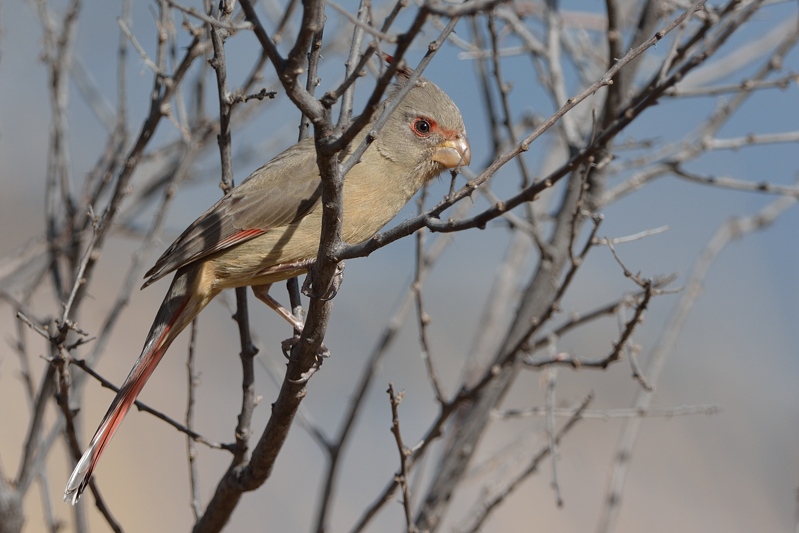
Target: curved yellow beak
[453, 153]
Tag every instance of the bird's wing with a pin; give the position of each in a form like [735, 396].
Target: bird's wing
[277, 194]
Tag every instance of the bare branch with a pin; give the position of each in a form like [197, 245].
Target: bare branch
[628, 436]
[609, 414]
[141, 406]
[193, 380]
[487, 507]
[402, 475]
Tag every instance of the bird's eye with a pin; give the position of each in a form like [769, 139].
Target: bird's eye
[421, 127]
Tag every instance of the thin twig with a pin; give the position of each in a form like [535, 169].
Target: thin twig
[610, 414]
[747, 85]
[192, 381]
[602, 363]
[728, 182]
[402, 475]
[423, 318]
[486, 508]
[79, 279]
[141, 406]
[217, 23]
[123, 25]
[361, 24]
[552, 375]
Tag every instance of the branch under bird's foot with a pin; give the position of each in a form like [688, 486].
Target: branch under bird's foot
[321, 354]
[309, 285]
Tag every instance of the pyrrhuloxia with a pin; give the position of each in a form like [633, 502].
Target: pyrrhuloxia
[268, 229]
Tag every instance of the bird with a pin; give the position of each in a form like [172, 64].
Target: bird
[268, 229]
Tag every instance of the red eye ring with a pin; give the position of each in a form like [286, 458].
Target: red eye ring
[422, 127]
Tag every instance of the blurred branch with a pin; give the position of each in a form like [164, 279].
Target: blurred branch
[552, 375]
[402, 476]
[747, 85]
[192, 381]
[141, 406]
[701, 139]
[223, 24]
[727, 182]
[489, 505]
[728, 232]
[609, 414]
[422, 317]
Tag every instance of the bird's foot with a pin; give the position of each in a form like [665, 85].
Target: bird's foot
[321, 354]
[309, 285]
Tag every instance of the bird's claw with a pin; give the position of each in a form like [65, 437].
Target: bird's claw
[288, 344]
[308, 286]
[305, 376]
[321, 354]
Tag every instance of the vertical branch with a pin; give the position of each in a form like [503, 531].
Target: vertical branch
[556, 80]
[485, 86]
[614, 38]
[58, 194]
[248, 353]
[364, 8]
[311, 82]
[225, 108]
[191, 449]
[335, 449]
[421, 314]
[248, 349]
[71, 439]
[402, 476]
[552, 375]
[507, 119]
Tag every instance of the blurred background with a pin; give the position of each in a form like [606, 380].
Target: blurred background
[732, 465]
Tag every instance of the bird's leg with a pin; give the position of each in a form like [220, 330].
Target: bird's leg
[262, 293]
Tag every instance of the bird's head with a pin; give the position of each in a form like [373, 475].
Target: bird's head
[425, 132]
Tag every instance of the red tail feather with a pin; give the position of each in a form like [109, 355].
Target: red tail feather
[182, 303]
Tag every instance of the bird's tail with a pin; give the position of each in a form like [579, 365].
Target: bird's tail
[185, 299]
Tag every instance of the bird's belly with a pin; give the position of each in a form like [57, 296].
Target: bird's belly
[278, 254]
